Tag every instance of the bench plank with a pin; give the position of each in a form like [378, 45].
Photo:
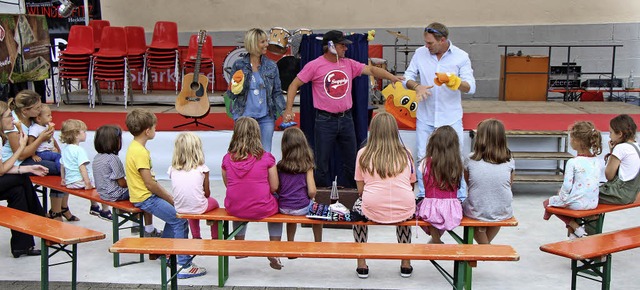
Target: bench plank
[597, 245]
[315, 250]
[601, 209]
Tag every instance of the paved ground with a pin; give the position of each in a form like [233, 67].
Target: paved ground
[535, 270]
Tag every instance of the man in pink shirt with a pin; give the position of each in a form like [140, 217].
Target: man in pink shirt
[331, 76]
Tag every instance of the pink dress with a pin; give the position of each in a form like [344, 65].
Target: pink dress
[442, 209]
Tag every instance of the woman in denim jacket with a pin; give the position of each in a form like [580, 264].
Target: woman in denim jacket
[255, 89]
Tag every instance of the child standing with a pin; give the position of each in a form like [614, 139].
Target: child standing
[579, 189]
[295, 175]
[623, 163]
[250, 175]
[385, 176]
[146, 193]
[73, 165]
[489, 172]
[190, 181]
[49, 149]
[108, 172]
[444, 184]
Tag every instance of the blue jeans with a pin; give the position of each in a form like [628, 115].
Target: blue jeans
[50, 156]
[331, 131]
[173, 226]
[54, 169]
[423, 132]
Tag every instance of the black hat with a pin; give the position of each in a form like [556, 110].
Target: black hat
[335, 36]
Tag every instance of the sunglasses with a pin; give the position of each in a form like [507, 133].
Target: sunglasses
[434, 31]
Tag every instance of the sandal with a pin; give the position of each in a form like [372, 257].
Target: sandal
[54, 215]
[275, 263]
[72, 218]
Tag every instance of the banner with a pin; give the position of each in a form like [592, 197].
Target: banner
[24, 48]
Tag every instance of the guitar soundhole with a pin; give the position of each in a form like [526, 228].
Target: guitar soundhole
[194, 86]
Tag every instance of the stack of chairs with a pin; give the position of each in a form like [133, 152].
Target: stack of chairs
[206, 58]
[110, 62]
[97, 26]
[136, 49]
[163, 52]
[75, 62]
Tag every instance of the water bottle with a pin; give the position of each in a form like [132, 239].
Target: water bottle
[630, 81]
[334, 197]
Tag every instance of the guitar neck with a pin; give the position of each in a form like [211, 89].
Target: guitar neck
[196, 70]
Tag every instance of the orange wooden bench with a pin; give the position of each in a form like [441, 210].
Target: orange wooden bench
[461, 254]
[121, 211]
[590, 251]
[53, 234]
[221, 216]
[593, 219]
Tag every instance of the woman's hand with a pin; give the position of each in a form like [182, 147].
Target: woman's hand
[23, 140]
[37, 170]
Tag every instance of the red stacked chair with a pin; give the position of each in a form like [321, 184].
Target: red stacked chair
[206, 57]
[136, 48]
[75, 61]
[162, 53]
[97, 26]
[110, 62]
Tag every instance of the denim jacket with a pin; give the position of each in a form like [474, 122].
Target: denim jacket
[271, 77]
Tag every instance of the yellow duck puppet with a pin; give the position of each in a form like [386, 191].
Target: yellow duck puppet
[402, 104]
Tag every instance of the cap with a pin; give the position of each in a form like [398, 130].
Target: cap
[335, 36]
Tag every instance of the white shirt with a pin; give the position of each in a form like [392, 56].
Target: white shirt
[444, 106]
[629, 160]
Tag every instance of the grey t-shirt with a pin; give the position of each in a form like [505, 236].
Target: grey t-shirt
[489, 188]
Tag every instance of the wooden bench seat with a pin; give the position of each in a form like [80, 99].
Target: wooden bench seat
[590, 250]
[54, 234]
[591, 216]
[459, 253]
[122, 211]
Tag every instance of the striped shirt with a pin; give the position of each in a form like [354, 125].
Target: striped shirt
[107, 169]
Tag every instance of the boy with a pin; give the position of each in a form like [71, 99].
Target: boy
[145, 192]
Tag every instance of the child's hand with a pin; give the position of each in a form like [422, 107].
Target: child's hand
[36, 158]
[88, 185]
[62, 181]
[47, 134]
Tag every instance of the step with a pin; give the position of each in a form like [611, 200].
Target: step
[550, 133]
[542, 155]
[538, 178]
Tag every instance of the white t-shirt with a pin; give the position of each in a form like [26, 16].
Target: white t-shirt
[629, 160]
[35, 130]
[187, 190]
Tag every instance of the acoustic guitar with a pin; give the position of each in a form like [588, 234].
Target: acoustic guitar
[192, 101]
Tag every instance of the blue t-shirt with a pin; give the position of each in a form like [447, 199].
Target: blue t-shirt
[72, 157]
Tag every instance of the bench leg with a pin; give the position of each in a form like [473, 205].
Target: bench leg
[223, 261]
[44, 265]
[606, 274]
[74, 267]
[116, 225]
[459, 279]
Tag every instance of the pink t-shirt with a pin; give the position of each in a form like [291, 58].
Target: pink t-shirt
[187, 190]
[331, 82]
[389, 200]
[248, 193]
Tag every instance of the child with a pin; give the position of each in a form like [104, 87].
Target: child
[108, 172]
[73, 165]
[385, 176]
[579, 189]
[250, 175]
[622, 164]
[444, 184]
[489, 172]
[190, 181]
[295, 175]
[49, 149]
[146, 193]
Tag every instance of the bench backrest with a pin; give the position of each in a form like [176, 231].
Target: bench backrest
[596, 245]
[45, 228]
[602, 208]
[315, 250]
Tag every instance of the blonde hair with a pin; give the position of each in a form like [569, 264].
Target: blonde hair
[3, 108]
[139, 120]
[443, 151]
[586, 134]
[490, 143]
[70, 130]
[384, 153]
[23, 99]
[245, 140]
[297, 156]
[187, 152]
[252, 40]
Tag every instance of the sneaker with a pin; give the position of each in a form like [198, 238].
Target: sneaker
[580, 232]
[406, 272]
[135, 230]
[192, 271]
[154, 234]
[105, 215]
[94, 210]
[363, 273]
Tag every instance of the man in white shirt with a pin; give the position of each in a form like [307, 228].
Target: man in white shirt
[441, 104]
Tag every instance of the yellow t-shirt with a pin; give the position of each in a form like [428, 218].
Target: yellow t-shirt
[138, 157]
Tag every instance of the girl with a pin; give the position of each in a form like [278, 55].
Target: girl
[48, 150]
[622, 164]
[384, 177]
[74, 170]
[108, 173]
[295, 176]
[445, 187]
[489, 172]
[250, 175]
[579, 189]
[190, 181]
